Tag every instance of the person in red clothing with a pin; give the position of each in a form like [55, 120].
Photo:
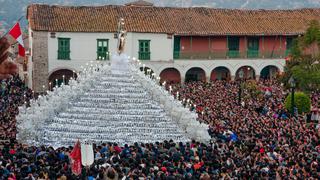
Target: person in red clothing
[116, 148]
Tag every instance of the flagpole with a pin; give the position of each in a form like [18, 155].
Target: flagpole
[11, 27]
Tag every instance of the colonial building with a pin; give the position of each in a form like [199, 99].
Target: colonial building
[178, 44]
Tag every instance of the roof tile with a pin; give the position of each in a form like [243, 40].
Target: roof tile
[181, 21]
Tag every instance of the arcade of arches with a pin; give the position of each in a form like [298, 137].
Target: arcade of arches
[220, 73]
[269, 72]
[195, 74]
[247, 73]
[170, 75]
[173, 75]
[60, 76]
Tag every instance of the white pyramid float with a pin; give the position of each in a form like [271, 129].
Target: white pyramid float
[116, 103]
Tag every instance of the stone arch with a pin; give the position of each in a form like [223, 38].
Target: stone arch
[59, 76]
[171, 75]
[269, 72]
[195, 74]
[220, 73]
[248, 73]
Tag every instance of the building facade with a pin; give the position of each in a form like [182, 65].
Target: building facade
[177, 44]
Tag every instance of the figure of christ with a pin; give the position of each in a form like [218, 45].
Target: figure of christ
[121, 42]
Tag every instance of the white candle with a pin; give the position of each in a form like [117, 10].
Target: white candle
[63, 79]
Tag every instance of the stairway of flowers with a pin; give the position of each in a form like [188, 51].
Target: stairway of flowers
[102, 106]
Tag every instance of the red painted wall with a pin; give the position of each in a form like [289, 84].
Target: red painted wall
[200, 44]
[243, 44]
[170, 75]
[218, 43]
[185, 44]
[272, 42]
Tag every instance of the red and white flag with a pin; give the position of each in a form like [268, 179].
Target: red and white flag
[75, 156]
[16, 33]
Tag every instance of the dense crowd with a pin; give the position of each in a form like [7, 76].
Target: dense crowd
[257, 138]
[161, 160]
[13, 93]
[254, 139]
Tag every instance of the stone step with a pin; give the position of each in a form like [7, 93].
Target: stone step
[115, 105]
[95, 110]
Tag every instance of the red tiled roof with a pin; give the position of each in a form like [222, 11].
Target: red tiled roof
[181, 21]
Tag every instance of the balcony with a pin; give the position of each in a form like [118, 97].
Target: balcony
[232, 54]
[144, 55]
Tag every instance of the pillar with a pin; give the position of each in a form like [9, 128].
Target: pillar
[257, 77]
[208, 79]
[233, 78]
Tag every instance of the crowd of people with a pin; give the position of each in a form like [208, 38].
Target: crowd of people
[257, 137]
[159, 160]
[13, 93]
[253, 137]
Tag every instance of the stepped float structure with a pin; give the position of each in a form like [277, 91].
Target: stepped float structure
[109, 103]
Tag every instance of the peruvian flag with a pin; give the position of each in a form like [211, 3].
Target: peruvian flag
[16, 33]
[75, 156]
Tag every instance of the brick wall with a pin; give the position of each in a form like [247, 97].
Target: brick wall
[40, 61]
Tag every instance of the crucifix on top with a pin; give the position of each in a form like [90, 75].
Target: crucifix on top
[121, 36]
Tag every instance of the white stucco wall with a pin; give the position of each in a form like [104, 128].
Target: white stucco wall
[83, 47]
[30, 65]
[161, 47]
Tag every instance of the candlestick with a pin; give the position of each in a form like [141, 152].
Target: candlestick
[57, 83]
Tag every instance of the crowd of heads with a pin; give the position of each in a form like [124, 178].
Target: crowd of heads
[13, 93]
[159, 160]
[253, 137]
[256, 136]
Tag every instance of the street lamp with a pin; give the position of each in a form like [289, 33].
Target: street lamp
[292, 84]
[241, 74]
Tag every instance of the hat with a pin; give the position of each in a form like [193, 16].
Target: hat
[156, 168]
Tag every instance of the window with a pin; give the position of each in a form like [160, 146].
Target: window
[233, 46]
[144, 49]
[102, 49]
[64, 48]
[253, 47]
[289, 43]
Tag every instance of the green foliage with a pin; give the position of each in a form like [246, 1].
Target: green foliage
[301, 101]
[296, 50]
[312, 34]
[301, 66]
[251, 89]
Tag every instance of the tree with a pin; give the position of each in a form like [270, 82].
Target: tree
[301, 101]
[304, 53]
